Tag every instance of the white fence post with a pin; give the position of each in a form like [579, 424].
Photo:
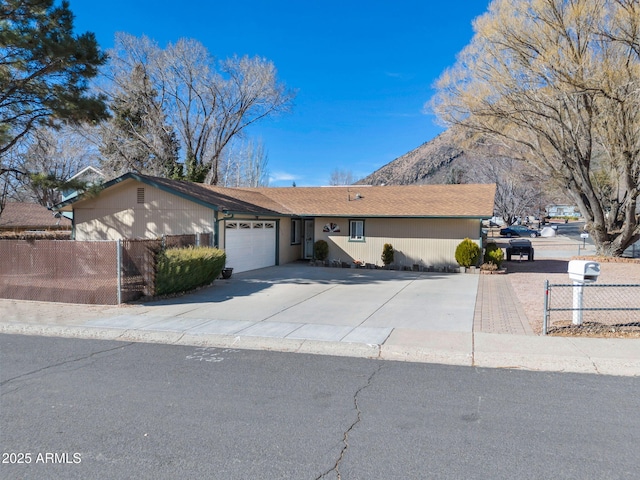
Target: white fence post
[578, 288]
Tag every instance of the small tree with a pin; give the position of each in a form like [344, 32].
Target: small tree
[493, 254]
[321, 250]
[467, 253]
[387, 254]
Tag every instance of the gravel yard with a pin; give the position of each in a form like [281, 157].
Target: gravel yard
[527, 280]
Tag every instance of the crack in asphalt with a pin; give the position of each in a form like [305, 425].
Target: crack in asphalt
[345, 436]
[73, 360]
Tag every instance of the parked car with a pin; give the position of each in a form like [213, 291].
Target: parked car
[520, 247]
[519, 231]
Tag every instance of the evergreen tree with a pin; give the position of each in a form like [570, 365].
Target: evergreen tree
[138, 138]
[44, 69]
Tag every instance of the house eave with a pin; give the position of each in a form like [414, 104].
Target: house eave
[365, 215]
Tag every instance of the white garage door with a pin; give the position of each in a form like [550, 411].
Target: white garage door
[250, 244]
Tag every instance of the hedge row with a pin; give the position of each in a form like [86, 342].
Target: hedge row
[183, 269]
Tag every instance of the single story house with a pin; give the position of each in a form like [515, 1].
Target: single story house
[20, 217]
[260, 227]
[563, 211]
[89, 176]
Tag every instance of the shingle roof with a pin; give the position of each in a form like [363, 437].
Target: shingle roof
[467, 200]
[223, 198]
[30, 216]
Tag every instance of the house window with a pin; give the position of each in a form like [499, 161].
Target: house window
[356, 230]
[141, 195]
[296, 229]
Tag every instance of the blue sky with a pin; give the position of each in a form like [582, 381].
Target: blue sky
[362, 69]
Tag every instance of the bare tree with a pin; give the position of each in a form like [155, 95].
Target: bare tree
[341, 177]
[518, 192]
[244, 164]
[208, 102]
[51, 158]
[555, 82]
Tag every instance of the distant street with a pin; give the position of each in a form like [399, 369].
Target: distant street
[89, 409]
[573, 230]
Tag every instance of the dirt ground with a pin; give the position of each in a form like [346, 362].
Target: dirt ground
[527, 280]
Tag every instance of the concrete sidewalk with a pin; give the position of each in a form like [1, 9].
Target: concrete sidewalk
[470, 320]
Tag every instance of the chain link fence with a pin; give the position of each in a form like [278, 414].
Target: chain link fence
[100, 272]
[59, 271]
[591, 305]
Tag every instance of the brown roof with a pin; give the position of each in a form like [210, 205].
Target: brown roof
[467, 200]
[224, 198]
[30, 216]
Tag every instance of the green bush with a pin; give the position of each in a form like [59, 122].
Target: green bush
[321, 250]
[387, 254]
[467, 253]
[183, 269]
[493, 254]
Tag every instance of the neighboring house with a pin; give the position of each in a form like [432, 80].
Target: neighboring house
[260, 227]
[31, 217]
[90, 176]
[563, 211]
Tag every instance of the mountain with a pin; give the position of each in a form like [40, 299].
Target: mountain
[440, 160]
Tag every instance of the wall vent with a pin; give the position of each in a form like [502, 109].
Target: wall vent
[141, 195]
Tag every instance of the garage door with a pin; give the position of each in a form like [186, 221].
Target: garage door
[250, 244]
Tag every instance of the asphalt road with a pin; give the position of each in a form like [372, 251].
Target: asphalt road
[90, 409]
[573, 230]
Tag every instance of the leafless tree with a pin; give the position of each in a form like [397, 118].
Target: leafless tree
[518, 193]
[341, 177]
[244, 164]
[208, 102]
[50, 158]
[556, 83]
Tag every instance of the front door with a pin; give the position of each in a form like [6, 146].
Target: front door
[308, 239]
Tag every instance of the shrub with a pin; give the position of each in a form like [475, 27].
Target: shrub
[467, 253]
[493, 254]
[489, 267]
[183, 269]
[387, 254]
[321, 250]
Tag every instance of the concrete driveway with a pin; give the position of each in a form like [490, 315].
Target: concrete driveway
[296, 301]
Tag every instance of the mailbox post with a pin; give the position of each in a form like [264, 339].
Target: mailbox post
[581, 272]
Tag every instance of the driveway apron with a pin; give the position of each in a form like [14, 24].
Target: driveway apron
[302, 302]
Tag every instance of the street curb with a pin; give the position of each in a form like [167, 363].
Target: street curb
[531, 361]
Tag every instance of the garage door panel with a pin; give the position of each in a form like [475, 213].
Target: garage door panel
[250, 245]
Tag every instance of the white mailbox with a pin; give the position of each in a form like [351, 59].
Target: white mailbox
[584, 271]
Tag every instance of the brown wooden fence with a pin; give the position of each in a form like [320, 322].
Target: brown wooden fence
[104, 273]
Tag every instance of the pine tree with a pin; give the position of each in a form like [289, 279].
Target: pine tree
[44, 69]
[138, 137]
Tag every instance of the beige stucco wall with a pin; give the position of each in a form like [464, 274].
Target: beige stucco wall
[287, 252]
[118, 215]
[426, 242]
[416, 241]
